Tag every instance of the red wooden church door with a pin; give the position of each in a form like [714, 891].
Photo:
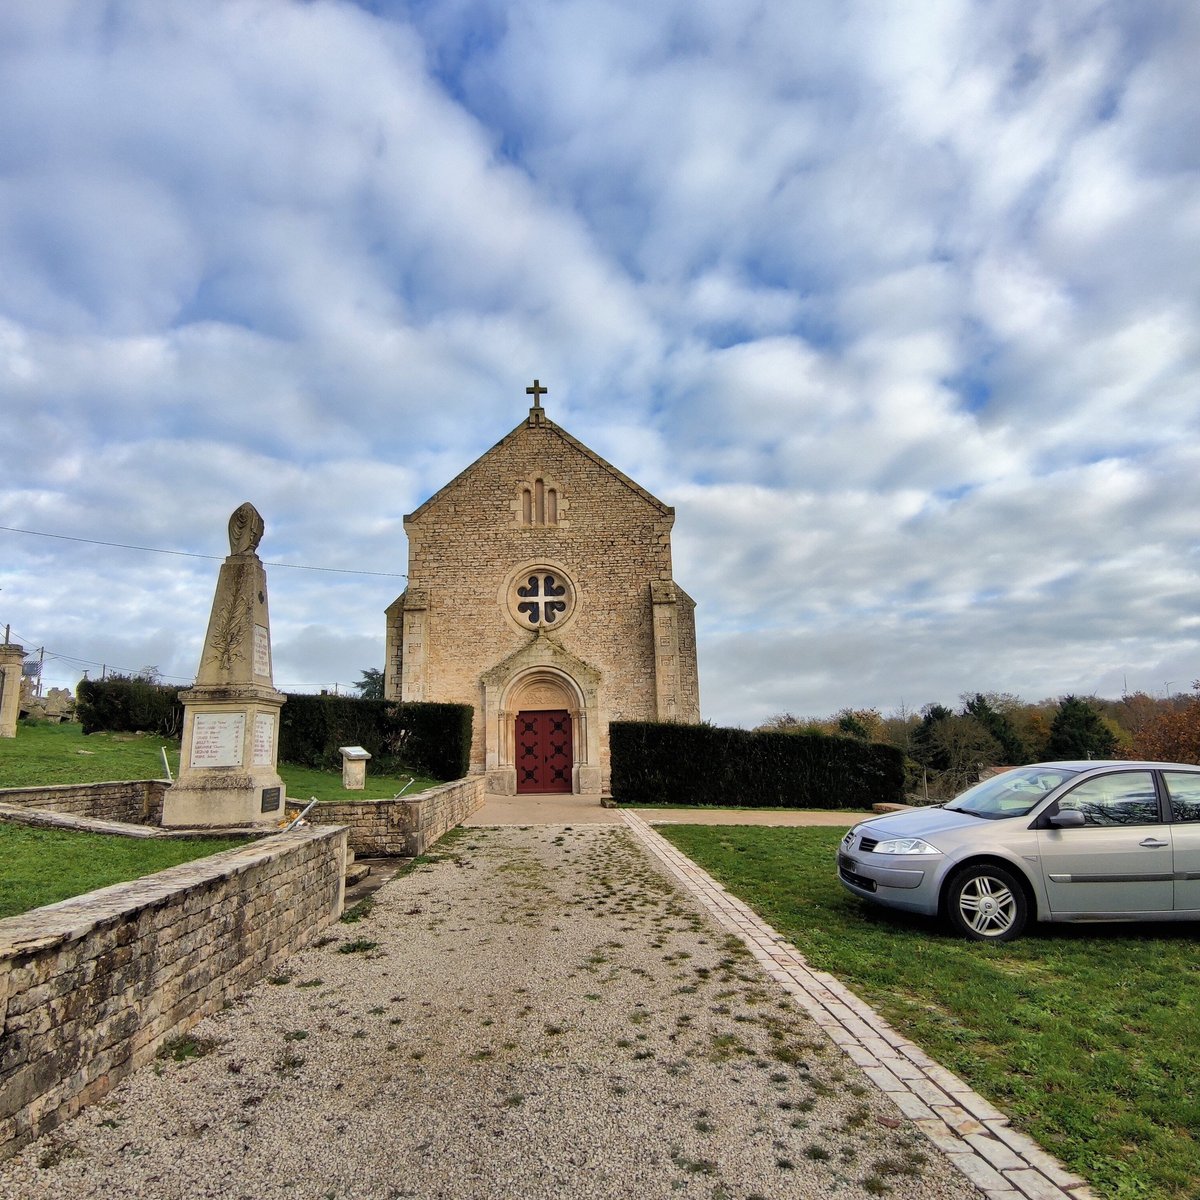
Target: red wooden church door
[544, 753]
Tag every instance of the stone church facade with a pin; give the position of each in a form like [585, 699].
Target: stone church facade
[540, 591]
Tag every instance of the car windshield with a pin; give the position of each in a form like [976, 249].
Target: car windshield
[1012, 794]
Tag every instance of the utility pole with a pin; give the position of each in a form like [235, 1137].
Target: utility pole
[41, 660]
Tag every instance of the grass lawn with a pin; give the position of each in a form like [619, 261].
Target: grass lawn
[42, 754]
[303, 783]
[1085, 1037]
[45, 754]
[41, 866]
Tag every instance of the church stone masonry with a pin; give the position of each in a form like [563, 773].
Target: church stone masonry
[540, 592]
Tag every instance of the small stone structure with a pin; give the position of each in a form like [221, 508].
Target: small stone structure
[227, 772]
[12, 657]
[354, 767]
[56, 706]
[90, 988]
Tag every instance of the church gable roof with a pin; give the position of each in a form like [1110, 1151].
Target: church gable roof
[538, 420]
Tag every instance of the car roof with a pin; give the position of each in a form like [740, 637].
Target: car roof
[1095, 763]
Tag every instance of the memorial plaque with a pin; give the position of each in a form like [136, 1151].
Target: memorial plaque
[262, 650]
[270, 799]
[217, 739]
[261, 750]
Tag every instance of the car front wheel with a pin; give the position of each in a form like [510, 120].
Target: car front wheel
[987, 903]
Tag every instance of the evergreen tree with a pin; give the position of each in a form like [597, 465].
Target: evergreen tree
[926, 748]
[1078, 731]
[370, 686]
[1012, 750]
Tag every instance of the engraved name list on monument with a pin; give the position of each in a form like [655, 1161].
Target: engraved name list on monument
[263, 746]
[262, 651]
[217, 739]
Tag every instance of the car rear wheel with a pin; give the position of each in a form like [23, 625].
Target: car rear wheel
[987, 903]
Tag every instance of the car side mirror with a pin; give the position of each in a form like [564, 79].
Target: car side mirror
[1069, 818]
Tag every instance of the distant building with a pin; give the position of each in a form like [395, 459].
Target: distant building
[540, 592]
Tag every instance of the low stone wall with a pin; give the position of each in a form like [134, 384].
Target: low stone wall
[405, 827]
[90, 988]
[134, 801]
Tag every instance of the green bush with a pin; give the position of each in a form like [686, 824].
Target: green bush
[658, 763]
[119, 704]
[432, 738]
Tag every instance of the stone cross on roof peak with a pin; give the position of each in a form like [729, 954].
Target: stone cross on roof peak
[537, 392]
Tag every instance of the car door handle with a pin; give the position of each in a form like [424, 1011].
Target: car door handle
[1152, 843]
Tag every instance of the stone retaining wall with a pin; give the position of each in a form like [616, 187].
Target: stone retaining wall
[134, 801]
[405, 827]
[90, 988]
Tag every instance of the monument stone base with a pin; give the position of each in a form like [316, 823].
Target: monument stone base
[227, 773]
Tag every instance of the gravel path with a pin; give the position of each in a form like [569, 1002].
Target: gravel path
[539, 1012]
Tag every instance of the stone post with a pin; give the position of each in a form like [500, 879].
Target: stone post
[11, 658]
[354, 767]
[227, 766]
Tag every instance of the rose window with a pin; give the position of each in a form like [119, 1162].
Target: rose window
[540, 597]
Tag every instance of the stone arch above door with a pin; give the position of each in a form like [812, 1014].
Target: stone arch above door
[542, 676]
[542, 689]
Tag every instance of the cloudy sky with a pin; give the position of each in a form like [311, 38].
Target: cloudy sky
[897, 303]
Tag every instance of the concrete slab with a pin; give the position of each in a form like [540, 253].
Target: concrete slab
[585, 810]
[543, 810]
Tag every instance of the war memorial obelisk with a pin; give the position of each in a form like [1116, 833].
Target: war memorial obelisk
[227, 772]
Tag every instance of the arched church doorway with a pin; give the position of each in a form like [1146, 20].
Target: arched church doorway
[543, 733]
[542, 728]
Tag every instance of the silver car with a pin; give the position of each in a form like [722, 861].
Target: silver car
[1060, 841]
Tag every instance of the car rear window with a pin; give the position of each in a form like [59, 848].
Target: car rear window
[1183, 787]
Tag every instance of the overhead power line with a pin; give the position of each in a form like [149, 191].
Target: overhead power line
[63, 537]
[54, 656]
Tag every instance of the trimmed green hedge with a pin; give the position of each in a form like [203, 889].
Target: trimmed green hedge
[659, 763]
[119, 704]
[432, 738]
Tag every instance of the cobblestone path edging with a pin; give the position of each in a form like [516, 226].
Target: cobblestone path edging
[976, 1137]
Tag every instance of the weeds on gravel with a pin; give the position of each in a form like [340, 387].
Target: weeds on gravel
[180, 1049]
[356, 912]
[724, 1046]
[55, 1151]
[288, 1064]
[358, 946]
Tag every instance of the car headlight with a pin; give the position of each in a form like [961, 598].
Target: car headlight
[908, 845]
